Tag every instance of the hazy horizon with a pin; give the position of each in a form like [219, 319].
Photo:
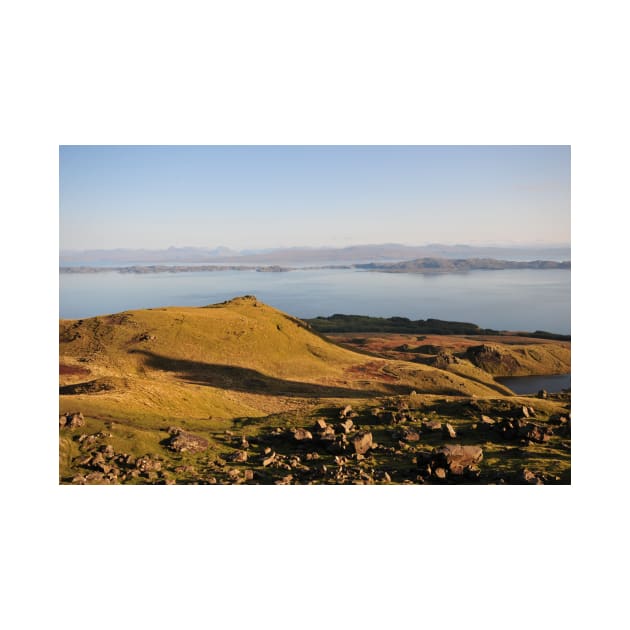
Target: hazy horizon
[270, 197]
[262, 247]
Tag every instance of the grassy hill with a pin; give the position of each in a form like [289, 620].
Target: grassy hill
[237, 358]
[225, 367]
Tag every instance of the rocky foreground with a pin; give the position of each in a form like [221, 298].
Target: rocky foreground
[404, 441]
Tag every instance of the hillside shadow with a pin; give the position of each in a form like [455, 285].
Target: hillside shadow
[241, 379]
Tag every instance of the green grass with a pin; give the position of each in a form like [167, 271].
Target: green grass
[249, 369]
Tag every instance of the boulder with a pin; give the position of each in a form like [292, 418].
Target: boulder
[493, 359]
[434, 425]
[183, 442]
[73, 420]
[542, 393]
[239, 456]
[345, 411]
[269, 459]
[440, 473]
[486, 420]
[472, 472]
[302, 434]
[320, 424]
[410, 435]
[362, 442]
[450, 431]
[346, 426]
[147, 464]
[456, 456]
[107, 450]
[328, 433]
[527, 476]
[535, 433]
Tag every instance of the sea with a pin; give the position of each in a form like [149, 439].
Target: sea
[517, 300]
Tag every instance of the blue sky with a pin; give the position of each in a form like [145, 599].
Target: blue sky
[276, 196]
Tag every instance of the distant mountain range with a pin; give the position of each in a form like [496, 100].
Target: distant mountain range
[354, 253]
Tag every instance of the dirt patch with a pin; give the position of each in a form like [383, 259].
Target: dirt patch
[374, 370]
[72, 370]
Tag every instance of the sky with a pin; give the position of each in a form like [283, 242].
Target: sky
[255, 197]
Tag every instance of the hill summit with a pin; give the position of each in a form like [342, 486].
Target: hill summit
[240, 357]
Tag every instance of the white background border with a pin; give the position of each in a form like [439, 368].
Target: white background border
[312, 73]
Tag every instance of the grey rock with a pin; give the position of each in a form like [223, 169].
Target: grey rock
[302, 434]
[450, 431]
[183, 442]
[362, 442]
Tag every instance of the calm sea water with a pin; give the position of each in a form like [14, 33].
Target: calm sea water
[523, 299]
[533, 384]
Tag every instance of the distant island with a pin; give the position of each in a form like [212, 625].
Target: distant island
[429, 265]
[420, 265]
[339, 323]
[172, 268]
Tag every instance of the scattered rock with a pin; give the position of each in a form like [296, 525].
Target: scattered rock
[71, 420]
[444, 359]
[535, 433]
[346, 426]
[183, 442]
[519, 430]
[147, 464]
[345, 411]
[542, 393]
[472, 471]
[269, 459]
[450, 431]
[440, 473]
[433, 425]
[410, 434]
[285, 481]
[362, 442]
[239, 456]
[487, 420]
[328, 434]
[456, 457]
[527, 476]
[302, 434]
[95, 477]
